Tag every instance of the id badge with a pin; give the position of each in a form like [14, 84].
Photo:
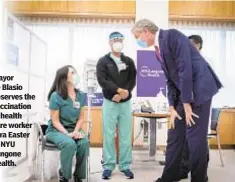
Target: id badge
[122, 66]
[76, 105]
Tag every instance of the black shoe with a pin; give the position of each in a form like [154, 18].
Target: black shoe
[106, 174]
[183, 176]
[62, 178]
[128, 174]
[158, 180]
[77, 180]
[162, 163]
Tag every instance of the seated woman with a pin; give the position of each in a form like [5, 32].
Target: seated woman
[67, 116]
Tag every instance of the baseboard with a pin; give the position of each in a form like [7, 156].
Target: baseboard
[145, 147]
[225, 147]
[163, 147]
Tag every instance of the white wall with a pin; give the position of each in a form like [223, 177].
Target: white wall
[156, 11]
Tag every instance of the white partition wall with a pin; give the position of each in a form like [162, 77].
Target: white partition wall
[16, 64]
[26, 61]
[37, 72]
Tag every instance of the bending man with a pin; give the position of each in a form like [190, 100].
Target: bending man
[191, 86]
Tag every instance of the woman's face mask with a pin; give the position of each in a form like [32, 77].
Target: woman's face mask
[117, 46]
[75, 79]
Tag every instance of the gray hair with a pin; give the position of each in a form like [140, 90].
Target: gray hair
[145, 23]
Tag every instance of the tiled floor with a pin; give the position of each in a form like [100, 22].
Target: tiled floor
[148, 171]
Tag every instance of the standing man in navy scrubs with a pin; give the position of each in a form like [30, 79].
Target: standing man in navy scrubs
[191, 86]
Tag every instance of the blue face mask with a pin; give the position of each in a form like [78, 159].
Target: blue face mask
[141, 43]
[75, 79]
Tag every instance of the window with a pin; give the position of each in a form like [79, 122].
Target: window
[218, 49]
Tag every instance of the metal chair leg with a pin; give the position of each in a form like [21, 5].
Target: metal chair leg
[36, 160]
[219, 148]
[88, 170]
[42, 167]
[88, 162]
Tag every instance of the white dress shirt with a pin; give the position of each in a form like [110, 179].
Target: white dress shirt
[156, 43]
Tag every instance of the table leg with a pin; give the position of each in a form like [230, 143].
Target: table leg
[152, 147]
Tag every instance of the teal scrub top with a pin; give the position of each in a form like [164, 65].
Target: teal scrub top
[116, 59]
[69, 111]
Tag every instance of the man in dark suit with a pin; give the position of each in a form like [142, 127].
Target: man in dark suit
[185, 161]
[191, 86]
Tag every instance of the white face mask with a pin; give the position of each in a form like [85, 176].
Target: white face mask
[117, 46]
[75, 79]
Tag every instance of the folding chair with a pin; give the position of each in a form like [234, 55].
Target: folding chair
[43, 145]
[215, 116]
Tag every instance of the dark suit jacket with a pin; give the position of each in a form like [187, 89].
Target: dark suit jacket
[190, 79]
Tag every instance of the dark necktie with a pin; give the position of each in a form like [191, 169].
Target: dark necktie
[158, 53]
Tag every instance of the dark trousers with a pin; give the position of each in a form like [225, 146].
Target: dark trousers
[196, 137]
[185, 161]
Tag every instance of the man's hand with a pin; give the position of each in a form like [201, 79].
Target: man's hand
[189, 114]
[116, 98]
[123, 93]
[173, 116]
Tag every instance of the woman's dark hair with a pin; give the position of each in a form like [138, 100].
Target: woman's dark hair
[60, 82]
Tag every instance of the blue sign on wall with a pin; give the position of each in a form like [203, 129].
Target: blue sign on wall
[97, 100]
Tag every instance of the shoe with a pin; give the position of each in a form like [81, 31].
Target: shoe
[62, 178]
[128, 174]
[158, 180]
[183, 176]
[162, 163]
[77, 179]
[106, 174]
[206, 180]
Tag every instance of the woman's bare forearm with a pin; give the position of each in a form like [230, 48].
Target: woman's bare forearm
[79, 124]
[57, 124]
[80, 121]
